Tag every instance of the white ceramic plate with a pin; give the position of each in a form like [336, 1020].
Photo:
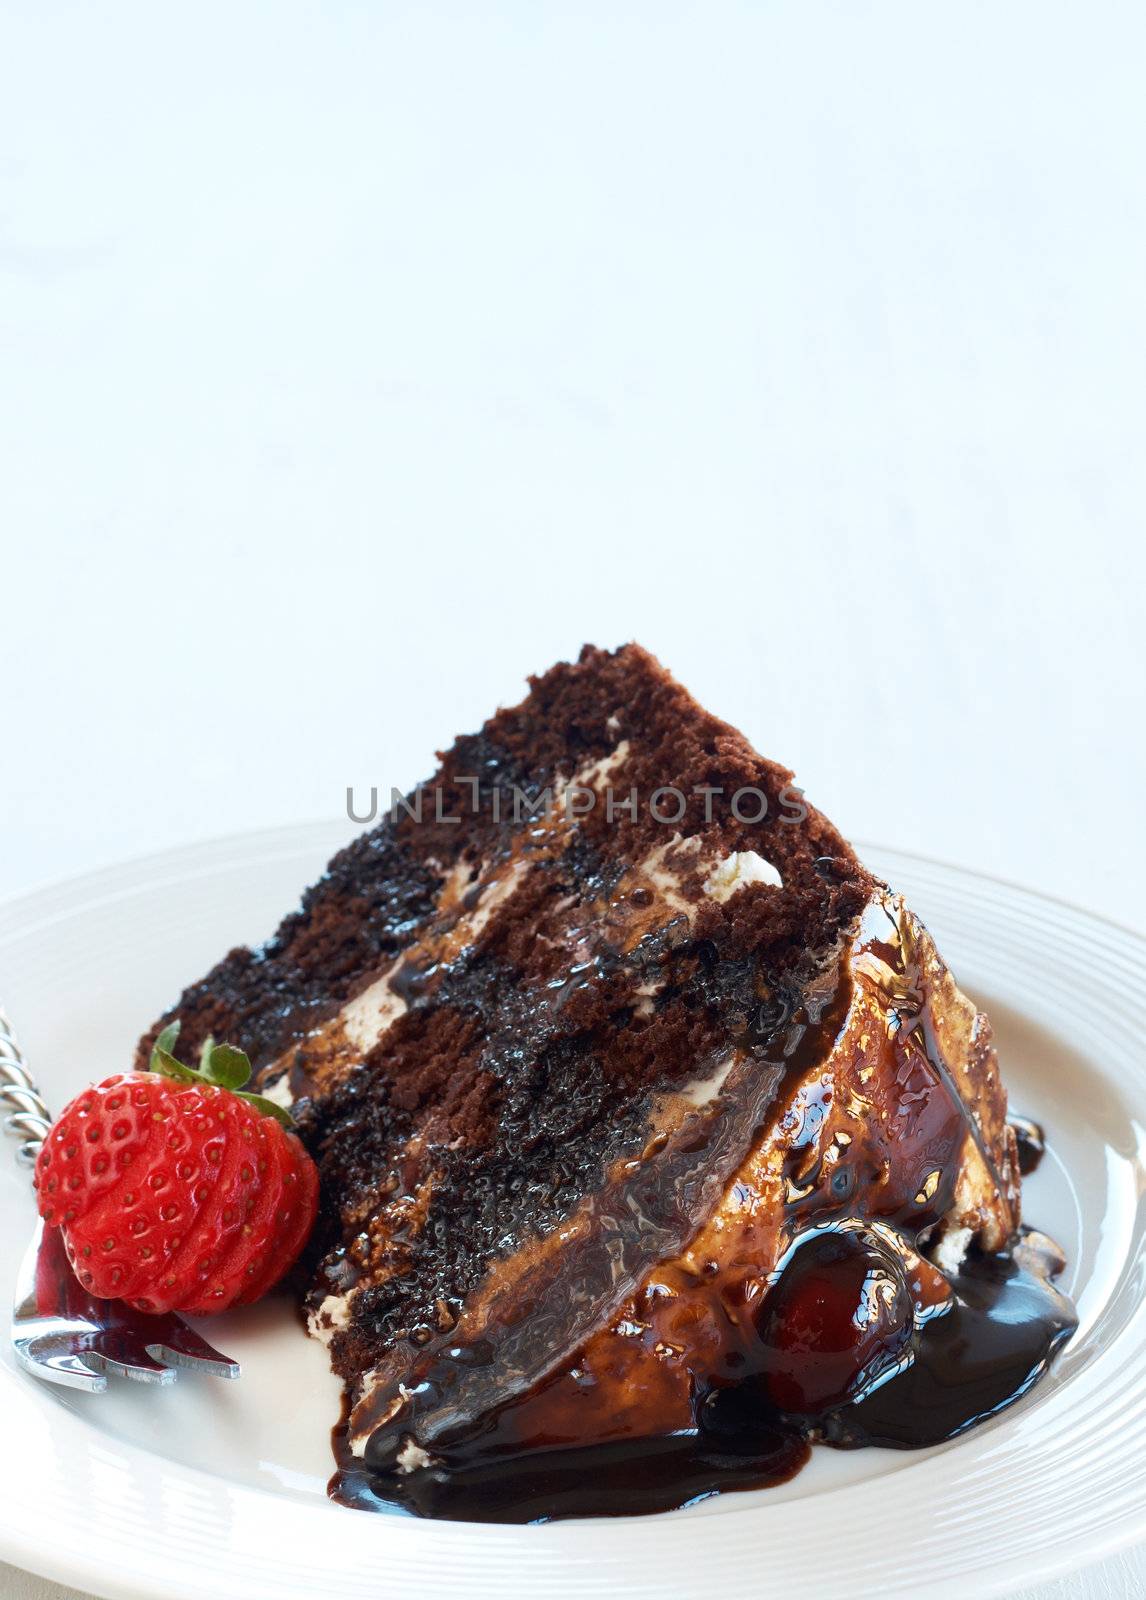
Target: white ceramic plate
[214, 1489]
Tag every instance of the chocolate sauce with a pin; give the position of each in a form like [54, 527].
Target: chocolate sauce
[843, 1359]
[1031, 1142]
[621, 1478]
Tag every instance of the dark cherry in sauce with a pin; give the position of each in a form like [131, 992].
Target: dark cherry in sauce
[985, 1351]
[838, 1318]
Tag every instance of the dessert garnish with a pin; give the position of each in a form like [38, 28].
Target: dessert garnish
[174, 1188]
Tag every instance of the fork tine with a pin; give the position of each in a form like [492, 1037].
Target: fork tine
[114, 1350]
[60, 1358]
[181, 1346]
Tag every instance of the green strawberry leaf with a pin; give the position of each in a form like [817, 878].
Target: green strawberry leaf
[269, 1108]
[166, 1040]
[223, 1066]
[163, 1062]
[226, 1066]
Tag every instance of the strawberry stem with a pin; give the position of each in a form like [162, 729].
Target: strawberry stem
[223, 1066]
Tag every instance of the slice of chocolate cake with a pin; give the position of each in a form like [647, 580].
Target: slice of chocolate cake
[651, 1127]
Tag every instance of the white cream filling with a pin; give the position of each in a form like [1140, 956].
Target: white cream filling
[333, 1314]
[279, 1092]
[646, 993]
[367, 1017]
[701, 1091]
[491, 897]
[411, 1456]
[666, 882]
[595, 774]
[948, 1254]
[737, 871]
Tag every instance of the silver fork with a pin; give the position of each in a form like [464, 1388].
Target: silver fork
[60, 1332]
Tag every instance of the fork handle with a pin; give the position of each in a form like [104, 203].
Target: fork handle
[27, 1118]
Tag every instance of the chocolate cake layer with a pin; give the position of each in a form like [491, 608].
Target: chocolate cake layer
[584, 1038]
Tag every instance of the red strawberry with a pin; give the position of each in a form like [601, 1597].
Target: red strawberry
[173, 1189]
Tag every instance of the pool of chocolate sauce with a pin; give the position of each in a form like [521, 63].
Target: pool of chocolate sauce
[1031, 1142]
[865, 1369]
[620, 1478]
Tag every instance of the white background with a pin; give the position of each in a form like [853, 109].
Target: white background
[357, 359]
